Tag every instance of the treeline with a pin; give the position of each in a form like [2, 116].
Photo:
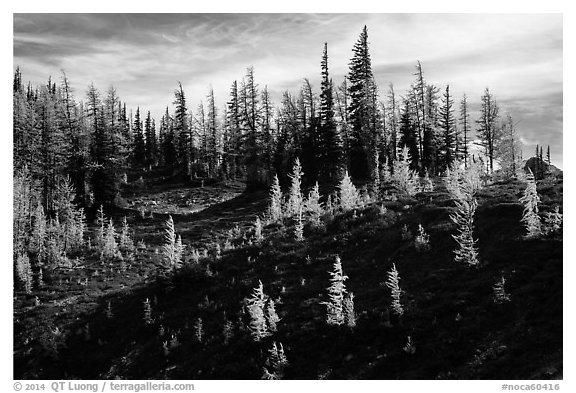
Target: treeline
[347, 127]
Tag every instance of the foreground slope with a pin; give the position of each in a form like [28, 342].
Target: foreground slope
[455, 327]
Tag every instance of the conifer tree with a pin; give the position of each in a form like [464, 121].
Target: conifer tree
[336, 292]
[182, 131]
[488, 131]
[405, 178]
[170, 249]
[465, 127]
[362, 110]
[104, 178]
[24, 272]
[393, 284]
[295, 198]
[348, 196]
[139, 153]
[150, 134]
[330, 149]
[275, 208]
[408, 136]
[530, 200]
[448, 127]
[109, 248]
[256, 305]
[508, 148]
[313, 205]
[464, 219]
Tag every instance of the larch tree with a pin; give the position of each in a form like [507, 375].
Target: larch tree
[508, 149]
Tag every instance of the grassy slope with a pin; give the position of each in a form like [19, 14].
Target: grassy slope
[453, 322]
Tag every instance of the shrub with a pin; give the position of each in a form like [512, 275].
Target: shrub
[147, 312]
[258, 231]
[275, 363]
[500, 295]
[349, 313]
[422, 240]
[553, 221]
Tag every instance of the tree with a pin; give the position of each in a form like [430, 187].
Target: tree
[336, 292]
[488, 131]
[150, 134]
[348, 196]
[330, 145]
[104, 179]
[168, 140]
[250, 114]
[213, 153]
[182, 131]
[508, 149]
[256, 306]
[275, 208]
[408, 136]
[392, 283]
[392, 122]
[530, 200]
[465, 124]
[139, 143]
[362, 111]
[447, 124]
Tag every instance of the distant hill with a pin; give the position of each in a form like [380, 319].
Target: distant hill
[532, 163]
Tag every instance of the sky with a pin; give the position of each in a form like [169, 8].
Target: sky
[519, 57]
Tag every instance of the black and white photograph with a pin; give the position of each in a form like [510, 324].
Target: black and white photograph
[287, 196]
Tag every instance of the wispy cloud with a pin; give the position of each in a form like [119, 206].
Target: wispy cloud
[143, 55]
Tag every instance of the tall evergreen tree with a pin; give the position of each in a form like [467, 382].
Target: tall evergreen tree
[409, 136]
[330, 145]
[250, 114]
[363, 111]
[488, 131]
[182, 131]
[104, 180]
[150, 135]
[465, 129]
[447, 125]
[234, 133]
[139, 142]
